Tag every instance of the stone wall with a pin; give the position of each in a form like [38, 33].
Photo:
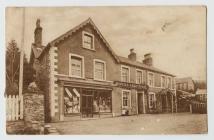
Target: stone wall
[34, 114]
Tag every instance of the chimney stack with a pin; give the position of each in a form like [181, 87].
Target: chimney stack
[132, 56]
[148, 59]
[38, 34]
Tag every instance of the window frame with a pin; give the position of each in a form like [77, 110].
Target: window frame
[89, 34]
[104, 76]
[150, 105]
[153, 85]
[123, 66]
[139, 70]
[165, 84]
[169, 82]
[130, 100]
[82, 67]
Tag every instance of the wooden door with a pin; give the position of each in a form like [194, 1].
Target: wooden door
[140, 103]
[87, 105]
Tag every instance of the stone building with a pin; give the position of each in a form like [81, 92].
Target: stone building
[82, 76]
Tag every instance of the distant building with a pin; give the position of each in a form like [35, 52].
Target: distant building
[185, 84]
[190, 92]
[82, 76]
[201, 95]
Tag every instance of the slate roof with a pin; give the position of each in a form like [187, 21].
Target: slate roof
[127, 61]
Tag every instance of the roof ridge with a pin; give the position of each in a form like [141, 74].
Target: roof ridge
[152, 68]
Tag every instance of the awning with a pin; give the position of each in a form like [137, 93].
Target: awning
[86, 84]
[76, 92]
[68, 92]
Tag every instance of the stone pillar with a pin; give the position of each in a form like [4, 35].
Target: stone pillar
[144, 108]
[166, 98]
[34, 114]
[172, 103]
[61, 102]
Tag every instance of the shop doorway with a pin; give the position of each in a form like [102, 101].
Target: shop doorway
[87, 104]
[140, 103]
[166, 103]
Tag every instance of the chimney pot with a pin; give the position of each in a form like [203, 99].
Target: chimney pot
[132, 56]
[148, 59]
[38, 35]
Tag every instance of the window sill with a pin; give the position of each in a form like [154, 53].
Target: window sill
[76, 77]
[100, 80]
[89, 49]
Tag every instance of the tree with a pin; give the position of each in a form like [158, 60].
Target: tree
[28, 73]
[12, 68]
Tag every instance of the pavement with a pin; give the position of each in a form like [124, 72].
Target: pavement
[180, 123]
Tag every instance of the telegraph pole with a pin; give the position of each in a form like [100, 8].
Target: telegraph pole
[22, 54]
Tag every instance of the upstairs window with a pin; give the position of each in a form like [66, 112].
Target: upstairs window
[151, 79]
[99, 70]
[125, 74]
[163, 81]
[139, 75]
[88, 40]
[169, 83]
[185, 86]
[76, 66]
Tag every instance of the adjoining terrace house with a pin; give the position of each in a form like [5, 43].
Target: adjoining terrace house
[82, 76]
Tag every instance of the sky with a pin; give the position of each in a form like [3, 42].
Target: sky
[176, 36]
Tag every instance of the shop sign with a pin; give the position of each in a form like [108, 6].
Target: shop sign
[131, 85]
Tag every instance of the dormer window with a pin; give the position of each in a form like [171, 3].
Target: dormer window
[88, 40]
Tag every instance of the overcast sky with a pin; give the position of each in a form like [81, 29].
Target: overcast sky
[176, 36]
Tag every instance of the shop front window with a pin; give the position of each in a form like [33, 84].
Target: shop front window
[102, 102]
[71, 100]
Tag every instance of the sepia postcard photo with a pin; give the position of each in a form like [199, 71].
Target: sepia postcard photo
[122, 70]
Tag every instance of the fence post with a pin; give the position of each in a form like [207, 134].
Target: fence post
[9, 108]
[13, 107]
[190, 108]
[17, 107]
[21, 106]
